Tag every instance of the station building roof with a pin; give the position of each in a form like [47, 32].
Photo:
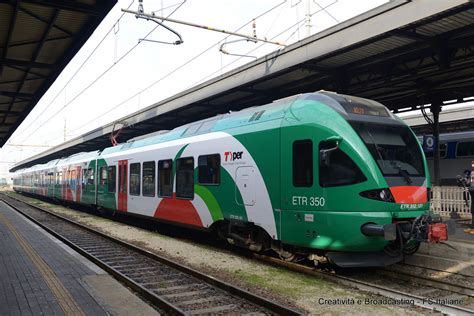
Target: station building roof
[38, 38]
[404, 54]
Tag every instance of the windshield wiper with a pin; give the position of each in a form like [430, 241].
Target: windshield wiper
[402, 172]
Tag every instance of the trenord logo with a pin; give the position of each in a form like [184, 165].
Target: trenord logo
[231, 156]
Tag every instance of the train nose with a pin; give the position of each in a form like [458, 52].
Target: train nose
[410, 194]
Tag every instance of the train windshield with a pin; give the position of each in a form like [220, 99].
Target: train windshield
[394, 148]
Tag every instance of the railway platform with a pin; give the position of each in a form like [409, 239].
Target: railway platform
[39, 275]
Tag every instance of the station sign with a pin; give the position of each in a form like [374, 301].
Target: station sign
[428, 143]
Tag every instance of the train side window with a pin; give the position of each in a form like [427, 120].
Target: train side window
[165, 184]
[148, 178]
[134, 179]
[103, 176]
[112, 175]
[73, 178]
[59, 177]
[90, 176]
[185, 178]
[341, 169]
[442, 151]
[465, 149]
[209, 169]
[303, 163]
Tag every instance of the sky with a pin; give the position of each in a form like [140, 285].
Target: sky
[114, 74]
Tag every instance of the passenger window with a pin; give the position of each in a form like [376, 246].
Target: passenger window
[465, 149]
[165, 184]
[185, 178]
[84, 177]
[90, 176]
[149, 178]
[112, 170]
[59, 178]
[303, 163]
[135, 179]
[442, 151]
[209, 169]
[103, 176]
[339, 170]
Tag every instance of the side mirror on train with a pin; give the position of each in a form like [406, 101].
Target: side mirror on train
[332, 144]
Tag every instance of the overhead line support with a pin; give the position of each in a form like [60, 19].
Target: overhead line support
[153, 16]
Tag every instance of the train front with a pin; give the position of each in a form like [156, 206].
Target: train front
[396, 184]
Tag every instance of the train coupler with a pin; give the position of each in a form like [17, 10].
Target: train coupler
[437, 232]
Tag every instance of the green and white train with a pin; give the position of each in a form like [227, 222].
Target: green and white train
[321, 175]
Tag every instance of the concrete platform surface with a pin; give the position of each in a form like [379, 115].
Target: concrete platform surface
[40, 275]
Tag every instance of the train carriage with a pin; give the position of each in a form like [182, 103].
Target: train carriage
[321, 175]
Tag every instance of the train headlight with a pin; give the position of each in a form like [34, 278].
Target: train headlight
[383, 195]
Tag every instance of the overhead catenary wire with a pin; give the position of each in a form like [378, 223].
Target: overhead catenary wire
[107, 112]
[96, 79]
[200, 54]
[255, 48]
[76, 72]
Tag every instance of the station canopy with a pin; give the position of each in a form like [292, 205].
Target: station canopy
[404, 54]
[38, 38]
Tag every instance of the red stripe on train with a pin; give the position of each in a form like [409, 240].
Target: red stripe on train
[409, 194]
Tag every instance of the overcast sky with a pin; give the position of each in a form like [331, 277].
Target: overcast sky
[108, 81]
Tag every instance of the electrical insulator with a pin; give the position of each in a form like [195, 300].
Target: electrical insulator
[140, 6]
[254, 26]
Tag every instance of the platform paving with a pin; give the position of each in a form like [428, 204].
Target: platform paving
[39, 275]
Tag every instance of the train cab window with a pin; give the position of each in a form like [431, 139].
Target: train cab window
[165, 180]
[134, 179]
[303, 163]
[103, 176]
[148, 178]
[339, 169]
[465, 149]
[185, 178]
[112, 175]
[209, 169]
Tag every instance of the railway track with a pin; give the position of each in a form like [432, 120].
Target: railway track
[171, 287]
[398, 287]
[397, 284]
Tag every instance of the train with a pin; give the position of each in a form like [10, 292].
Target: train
[456, 153]
[318, 176]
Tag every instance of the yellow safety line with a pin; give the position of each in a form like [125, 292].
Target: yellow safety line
[64, 298]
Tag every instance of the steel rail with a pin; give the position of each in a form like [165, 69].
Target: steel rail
[369, 287]
[227, 287]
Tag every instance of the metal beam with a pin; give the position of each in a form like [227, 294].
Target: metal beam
[61, 4]
[41, 19]
[24, 63]
[9, 36]
[412, 35]
[34, 56]
[16, 94]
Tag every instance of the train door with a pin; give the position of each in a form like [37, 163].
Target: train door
[122, 185]
[78, 188]
[299, 185]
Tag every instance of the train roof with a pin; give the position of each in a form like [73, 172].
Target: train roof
[348, 106]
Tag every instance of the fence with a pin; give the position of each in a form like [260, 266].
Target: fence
[447, 200]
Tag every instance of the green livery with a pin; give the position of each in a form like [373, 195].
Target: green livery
[322, 175]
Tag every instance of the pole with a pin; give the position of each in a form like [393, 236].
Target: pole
[308, 18]
[435, 109]
[249, 37]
